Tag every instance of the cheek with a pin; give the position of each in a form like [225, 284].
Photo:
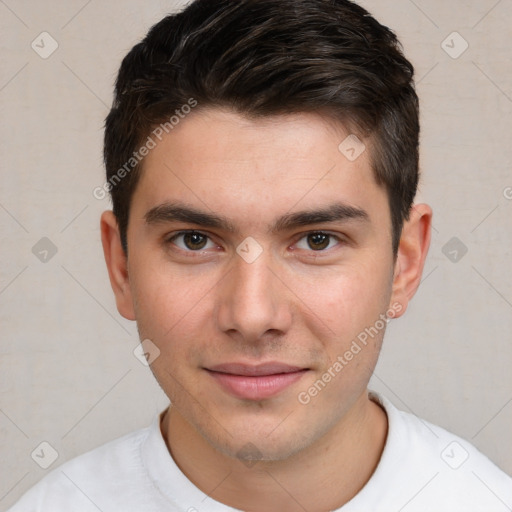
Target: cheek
[344, 301]
[171, 311]
[168, 314]
[163, 297]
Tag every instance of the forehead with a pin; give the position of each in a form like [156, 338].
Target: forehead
[225, 162]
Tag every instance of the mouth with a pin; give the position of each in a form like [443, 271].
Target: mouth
[255, 382]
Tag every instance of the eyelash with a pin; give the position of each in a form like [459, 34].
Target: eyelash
[190, 252]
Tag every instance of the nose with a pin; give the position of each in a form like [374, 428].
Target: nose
[253, 302]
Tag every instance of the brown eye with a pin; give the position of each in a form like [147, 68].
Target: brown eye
[190, 240]
[318, 241]
[194, 241]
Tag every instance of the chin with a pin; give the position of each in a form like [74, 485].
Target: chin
[249, 451]
[251, 443]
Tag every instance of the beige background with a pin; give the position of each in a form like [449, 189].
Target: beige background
[68, 375]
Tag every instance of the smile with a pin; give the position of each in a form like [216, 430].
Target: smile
[255, 382]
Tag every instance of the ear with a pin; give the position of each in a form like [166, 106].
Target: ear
[117, 264]
[412, 251]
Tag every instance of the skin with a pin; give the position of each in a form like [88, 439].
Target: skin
[300, 302]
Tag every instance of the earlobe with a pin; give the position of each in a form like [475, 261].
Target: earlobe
[117, 264]
[412, 252]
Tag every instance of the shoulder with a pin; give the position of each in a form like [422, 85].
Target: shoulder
[89, 482]
[429, 466]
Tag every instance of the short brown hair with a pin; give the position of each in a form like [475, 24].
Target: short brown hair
[264, 58]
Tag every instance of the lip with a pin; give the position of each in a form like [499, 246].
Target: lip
[255, 382]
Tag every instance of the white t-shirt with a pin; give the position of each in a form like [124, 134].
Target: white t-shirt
[423, 468]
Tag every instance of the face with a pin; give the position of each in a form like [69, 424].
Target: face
[260, 264]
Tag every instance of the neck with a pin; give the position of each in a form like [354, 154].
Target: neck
[339, 463]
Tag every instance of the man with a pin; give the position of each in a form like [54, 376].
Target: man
[262, 158]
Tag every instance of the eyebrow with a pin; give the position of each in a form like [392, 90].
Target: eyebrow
[179, 212]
